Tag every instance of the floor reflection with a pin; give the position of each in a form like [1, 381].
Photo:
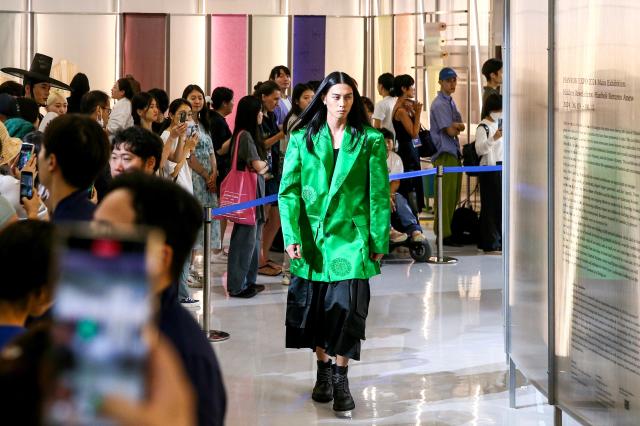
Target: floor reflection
[434, 353]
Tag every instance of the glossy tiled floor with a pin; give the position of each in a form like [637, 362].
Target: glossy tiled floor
[434, 353]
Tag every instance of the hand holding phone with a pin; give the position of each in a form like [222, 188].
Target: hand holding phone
[26, 153]
[103, 304]
[26, 185]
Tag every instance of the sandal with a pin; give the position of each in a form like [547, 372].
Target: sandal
[274, 265]
[268, 270]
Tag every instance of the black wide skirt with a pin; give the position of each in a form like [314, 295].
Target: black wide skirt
[327, 315]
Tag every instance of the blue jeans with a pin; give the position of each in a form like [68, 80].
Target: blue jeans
[403, 218]
[244, 250]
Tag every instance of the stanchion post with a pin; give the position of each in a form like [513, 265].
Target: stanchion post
[212, 335]
[440, 258]
[206, 317]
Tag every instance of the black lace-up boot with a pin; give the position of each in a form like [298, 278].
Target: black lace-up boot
[323, 390]
[342, 399]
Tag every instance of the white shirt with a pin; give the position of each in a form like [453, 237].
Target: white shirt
[394, 164]
[10, 189]
[46, 120]
[383, 112]
[184, 178]
[120, 117]
[488, 148]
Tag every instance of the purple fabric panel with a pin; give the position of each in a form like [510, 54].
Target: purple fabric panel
[308, 48]
[144, 50]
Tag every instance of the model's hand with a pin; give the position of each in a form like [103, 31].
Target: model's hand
[417, 108]
[461, 127]
[294, 251]
[376, 257]
[497, 135]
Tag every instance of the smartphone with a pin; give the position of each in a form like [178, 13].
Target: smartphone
[103, 302]
[26, 185]
[90, 191]
[183, 116]
[500, 123]
[192, 130]
[26, 151]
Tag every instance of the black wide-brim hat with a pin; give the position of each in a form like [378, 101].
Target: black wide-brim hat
[38, 72]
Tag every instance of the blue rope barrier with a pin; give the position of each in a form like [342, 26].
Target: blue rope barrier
[407, 175]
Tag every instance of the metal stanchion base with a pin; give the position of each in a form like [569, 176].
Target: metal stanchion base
[218, 336]
[444, 260]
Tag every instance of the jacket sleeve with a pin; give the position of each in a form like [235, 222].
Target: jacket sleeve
[379, 196]
[289, 197]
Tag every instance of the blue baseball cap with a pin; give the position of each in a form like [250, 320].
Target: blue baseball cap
[447, 73]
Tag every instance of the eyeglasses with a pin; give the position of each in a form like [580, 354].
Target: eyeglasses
[107, 109]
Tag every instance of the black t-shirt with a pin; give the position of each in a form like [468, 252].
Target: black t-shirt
[269, 127]
[197, 355]
[220, 133]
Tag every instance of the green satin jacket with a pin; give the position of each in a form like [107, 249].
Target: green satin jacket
[338, 215]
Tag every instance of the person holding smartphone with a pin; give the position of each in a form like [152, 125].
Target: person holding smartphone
[489, 148]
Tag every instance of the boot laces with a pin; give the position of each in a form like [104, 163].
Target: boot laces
[341, 382]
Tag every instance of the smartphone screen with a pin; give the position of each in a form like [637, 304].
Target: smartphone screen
[500, 123]
[183, 116]
[26, 185]
[26, 151]
[102, 304]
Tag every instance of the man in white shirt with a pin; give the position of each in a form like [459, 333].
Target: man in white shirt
[383, 111]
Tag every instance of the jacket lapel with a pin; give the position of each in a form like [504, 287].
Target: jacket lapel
[324, 151]
[345, 162]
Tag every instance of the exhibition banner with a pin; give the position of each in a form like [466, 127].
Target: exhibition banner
[597, 209]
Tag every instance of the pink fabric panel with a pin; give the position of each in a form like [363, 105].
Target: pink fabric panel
[144, 49]
[229, 50]
[405, 44]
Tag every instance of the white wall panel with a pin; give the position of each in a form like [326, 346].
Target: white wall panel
[325, 7]
[345, 47]
[13, 5]
[73, 6]
[249, 7]
[187, 53]
[12, 30]
[93, 40]
[269, 46]
[159, 6]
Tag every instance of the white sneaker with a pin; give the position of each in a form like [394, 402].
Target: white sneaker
[219, 257]
[286, 279]
[194, 281]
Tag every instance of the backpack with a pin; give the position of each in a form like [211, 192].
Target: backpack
[465, 224]
[470, 157]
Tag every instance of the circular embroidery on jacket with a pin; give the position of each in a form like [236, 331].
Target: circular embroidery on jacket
[340, 266]
[309, 194]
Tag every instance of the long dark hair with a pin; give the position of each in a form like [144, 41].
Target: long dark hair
[298, 91]
[79, 86]
[315, 116]
[247, 120]
[140, 100]
[203, 114]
